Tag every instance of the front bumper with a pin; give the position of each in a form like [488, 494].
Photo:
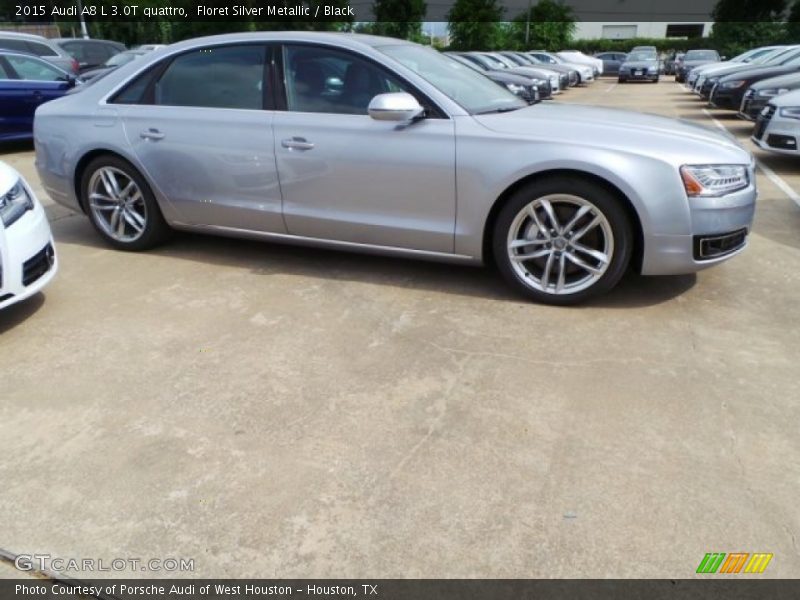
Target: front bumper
[726, 99]
[776, 134]
[751, 106]
[716, 228]
[27, 257]
[638, 75]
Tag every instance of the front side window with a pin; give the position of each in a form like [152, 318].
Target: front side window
[216, 77]
[324, 80]
[33, 69]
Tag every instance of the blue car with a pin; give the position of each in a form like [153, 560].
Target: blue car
[27, 81]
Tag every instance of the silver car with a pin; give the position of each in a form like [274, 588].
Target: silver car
[380, 145]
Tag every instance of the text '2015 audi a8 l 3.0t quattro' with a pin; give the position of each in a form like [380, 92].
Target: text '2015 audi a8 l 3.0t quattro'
[381, 145]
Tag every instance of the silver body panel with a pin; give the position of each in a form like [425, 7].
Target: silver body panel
[425, 188]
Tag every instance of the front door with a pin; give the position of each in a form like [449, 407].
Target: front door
[347, 177]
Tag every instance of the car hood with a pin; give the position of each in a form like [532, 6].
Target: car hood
[640, 64]
[715, 69]
[787, 99]
[697, 63]
[791, 81]
[619, 129]
[757, 73]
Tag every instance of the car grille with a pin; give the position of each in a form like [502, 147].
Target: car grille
[707, 247]
[747, 99]
[763, 120]
[37, 265]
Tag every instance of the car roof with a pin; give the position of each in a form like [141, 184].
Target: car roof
[87, 41]
[23, 36]
[29, 55]
[352, 40]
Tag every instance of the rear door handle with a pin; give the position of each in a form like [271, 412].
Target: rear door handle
[152, 134]
[297, 143]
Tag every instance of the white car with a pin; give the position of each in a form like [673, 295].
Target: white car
[577, 56]
[778, 126]
[27, 253]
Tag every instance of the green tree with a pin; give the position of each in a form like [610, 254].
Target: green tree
[792, 27]
[399, 18]
[551, 26]
[743, 24]
[475, 25]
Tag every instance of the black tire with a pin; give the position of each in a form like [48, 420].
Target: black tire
[621, 80]
[155, 230]
[603, 201]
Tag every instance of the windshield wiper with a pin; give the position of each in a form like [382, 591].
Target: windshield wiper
[502, 109]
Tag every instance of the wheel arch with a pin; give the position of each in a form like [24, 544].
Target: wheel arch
[633, 215]
[83, 162]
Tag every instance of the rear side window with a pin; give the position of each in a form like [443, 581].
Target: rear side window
[88, 53]
[41, 49]
[18, 45]
[216, 77]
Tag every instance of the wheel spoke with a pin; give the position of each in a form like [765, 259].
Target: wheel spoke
[548, 209]
[531, 256]
[539, 225]
[114, 219]
[522, 243]
[562, 268]
[133, 220]
[586, 228]
[595, 254]
[547, 271]
[110, 183]
[96, 199]
[127, 190]
[121, 224]
[576, 260]
[583, 210]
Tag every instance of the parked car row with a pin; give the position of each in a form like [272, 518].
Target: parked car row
[761, 85]
[34, 70]
[533, 76]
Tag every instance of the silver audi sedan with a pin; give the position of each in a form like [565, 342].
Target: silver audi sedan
[380, 145]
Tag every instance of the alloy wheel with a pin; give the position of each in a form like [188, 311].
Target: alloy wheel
[117, 204]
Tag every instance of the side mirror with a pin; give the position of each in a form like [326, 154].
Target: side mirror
[394, 107]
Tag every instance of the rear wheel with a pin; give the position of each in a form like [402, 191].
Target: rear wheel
[562, 240]
[121, 205]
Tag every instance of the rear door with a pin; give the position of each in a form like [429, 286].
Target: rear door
[201, 128]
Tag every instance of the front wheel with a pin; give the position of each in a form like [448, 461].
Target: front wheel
[562, 240]
[121, 205]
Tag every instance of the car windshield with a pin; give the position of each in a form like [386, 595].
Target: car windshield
[473, 91]
[701, 55]
[637, 56]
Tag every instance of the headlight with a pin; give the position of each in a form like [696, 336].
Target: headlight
[713, 180]
[790, 112]
[732, 85]
[14, 203]
[515, 89]
[769, 93]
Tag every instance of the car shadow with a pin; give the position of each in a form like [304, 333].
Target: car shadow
[267, 258]
[18, 313]
[16, 146]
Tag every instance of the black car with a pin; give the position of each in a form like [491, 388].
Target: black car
[672, 62]
[530, 90]
[89, 53]
[611, 61]
[692, 59]
[728, 91]
[760, 93]
[639, 66]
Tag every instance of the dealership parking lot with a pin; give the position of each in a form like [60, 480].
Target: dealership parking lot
[289, 412]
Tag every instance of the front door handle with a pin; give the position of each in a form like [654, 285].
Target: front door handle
[152, 134]
[297, 143]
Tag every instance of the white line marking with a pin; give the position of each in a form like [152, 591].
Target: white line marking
[771, 175]
[609, 88]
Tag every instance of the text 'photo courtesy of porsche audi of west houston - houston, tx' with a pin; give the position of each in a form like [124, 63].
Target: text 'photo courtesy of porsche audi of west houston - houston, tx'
[381, 145]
